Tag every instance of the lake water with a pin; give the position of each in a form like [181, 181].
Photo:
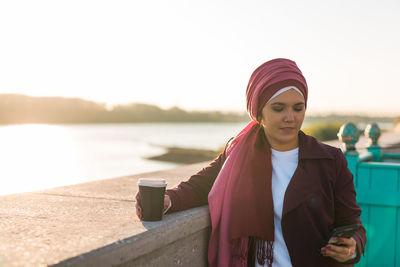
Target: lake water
[35, 156]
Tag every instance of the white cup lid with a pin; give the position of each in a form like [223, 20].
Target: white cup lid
[155, 182]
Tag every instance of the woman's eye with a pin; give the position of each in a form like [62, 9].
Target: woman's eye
[277, 109]
[298, 109]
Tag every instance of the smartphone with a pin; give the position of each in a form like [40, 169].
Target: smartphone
[346, 231]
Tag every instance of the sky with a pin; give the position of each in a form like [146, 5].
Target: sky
[199, 55]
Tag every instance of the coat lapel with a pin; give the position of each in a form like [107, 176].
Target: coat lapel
[305, 181]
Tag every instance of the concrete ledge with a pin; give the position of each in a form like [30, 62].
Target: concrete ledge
[95, 224]
[187, 230]
[190, 251]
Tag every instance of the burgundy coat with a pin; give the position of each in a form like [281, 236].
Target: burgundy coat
[319, 197]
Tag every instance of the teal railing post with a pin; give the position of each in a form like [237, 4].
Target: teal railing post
[349, 134]
[377, 185]
[372, 132]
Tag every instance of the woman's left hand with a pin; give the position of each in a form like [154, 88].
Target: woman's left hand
[340, 253]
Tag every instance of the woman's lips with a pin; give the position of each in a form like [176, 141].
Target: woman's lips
[287, 129]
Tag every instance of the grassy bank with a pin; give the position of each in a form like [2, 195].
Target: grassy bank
[323, 131]
[186, 155]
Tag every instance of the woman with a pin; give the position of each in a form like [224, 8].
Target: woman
[275, 193]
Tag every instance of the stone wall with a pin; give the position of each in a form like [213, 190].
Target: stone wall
[95, 224]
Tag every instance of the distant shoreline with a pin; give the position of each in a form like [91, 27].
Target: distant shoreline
[19, 109]
[22, 109]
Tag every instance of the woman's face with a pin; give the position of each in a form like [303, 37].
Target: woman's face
[282, 118]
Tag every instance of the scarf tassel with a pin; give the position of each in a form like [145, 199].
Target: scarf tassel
[264, 251]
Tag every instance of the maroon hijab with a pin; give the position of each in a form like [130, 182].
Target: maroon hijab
[240, 200]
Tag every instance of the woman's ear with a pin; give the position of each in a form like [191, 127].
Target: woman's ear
[259, 119]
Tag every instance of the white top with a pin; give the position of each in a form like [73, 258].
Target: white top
[284, 164]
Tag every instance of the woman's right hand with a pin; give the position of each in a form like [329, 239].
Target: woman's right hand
[167, 202]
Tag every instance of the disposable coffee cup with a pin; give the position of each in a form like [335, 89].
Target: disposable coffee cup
[151, 192]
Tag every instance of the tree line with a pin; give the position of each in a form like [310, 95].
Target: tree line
[15, 109]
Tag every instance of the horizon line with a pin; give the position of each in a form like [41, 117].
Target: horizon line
[313, 112]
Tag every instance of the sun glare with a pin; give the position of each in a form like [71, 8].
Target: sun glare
[32, 157]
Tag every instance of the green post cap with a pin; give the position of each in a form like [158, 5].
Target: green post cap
[372, 132]
[349, 134]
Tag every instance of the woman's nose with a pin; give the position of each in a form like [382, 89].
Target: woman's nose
[289, 116]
